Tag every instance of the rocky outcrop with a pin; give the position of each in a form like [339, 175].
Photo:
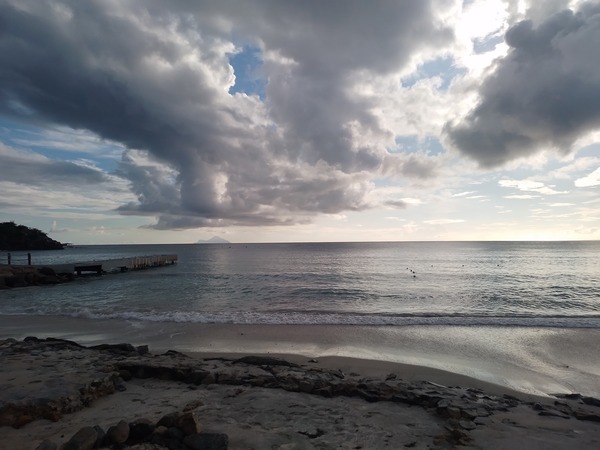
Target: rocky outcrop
[145, 435]
[80, 375]
[15, 276]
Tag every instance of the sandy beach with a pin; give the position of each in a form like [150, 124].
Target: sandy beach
[538, 361]
[342, 389]
[53, 390]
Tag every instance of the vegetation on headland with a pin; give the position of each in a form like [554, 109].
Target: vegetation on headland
[19, 237]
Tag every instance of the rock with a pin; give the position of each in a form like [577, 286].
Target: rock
[451, 412]
[161, 429]
[308, 430]
[119, 349]
[193, 405]
[467, 425]
[168, 420]
[264, 361]
[101, 435]
[553, 413]
[49, 271]
[145, 446]
[140, 430]
[188, 423]
[581, 415]
[84, 439]
[46, 445]
[209, 378]
[174, 433]
[143, 349]
[125, 374]
[207, 441]
[469, 413]
[117, 434]
[574, 396]
[591, 401]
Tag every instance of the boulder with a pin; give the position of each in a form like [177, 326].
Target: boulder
[167, 420]
[188, 423]
[140, 430]
[207, 441]
[117, 434]
[46, 445]
[84, 439]
[48, 271]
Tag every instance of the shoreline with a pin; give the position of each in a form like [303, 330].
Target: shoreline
[264, 402]
[537, 361]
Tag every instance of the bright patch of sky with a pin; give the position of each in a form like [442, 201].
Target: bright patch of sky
[62, 143]
[248, 69]
[429, 145]
[442, 68]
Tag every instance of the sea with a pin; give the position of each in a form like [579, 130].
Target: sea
[513, 284]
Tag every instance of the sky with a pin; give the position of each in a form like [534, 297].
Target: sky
[145, 121]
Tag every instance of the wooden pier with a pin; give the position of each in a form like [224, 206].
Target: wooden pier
[114, 265]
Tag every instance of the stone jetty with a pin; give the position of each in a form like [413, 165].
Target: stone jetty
[12, 276]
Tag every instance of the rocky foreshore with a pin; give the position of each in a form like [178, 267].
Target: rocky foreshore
[51, 379]
[21, 276]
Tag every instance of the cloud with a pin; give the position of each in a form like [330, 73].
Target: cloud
[155, 76]
[443, 221]
[529, 186]
[592, 179]
[521, 196]
[37, 170]
[544, 94]
[523, 185]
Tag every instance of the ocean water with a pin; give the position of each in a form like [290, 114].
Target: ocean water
[525, 284]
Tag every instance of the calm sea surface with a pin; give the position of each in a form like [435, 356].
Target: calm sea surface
[553, 284]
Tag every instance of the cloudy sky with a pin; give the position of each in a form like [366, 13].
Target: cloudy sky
[282, 120]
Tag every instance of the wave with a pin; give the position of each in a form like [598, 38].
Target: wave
[303, 318]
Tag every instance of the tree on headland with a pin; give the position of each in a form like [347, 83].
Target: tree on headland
[19, 237]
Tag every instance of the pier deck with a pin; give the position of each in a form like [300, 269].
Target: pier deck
[114, 265]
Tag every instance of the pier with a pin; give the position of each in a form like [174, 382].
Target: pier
[114, 265]
[20, 275]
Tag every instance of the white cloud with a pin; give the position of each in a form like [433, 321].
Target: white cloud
[529, 185]
[443, 221]
[544, 94]
[521, 196]
[592, 179]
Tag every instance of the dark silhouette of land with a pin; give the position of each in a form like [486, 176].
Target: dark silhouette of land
[19, 237]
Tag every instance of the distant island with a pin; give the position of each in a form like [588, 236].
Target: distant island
[214, 240]
[19, 237]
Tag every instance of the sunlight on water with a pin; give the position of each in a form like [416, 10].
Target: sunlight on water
[469, 283]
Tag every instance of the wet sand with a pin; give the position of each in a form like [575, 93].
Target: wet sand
[538, 361]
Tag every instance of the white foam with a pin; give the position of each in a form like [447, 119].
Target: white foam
[297, 318]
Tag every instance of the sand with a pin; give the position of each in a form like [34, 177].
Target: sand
[525, 364]
[537, 361]
[255, 416]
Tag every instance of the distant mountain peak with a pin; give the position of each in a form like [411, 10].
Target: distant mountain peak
[214, 240]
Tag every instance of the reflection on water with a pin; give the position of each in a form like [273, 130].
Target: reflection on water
[503, 283]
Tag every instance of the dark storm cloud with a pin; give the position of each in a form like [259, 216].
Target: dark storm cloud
[156, 192]
[544, 93]
[154, 76]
